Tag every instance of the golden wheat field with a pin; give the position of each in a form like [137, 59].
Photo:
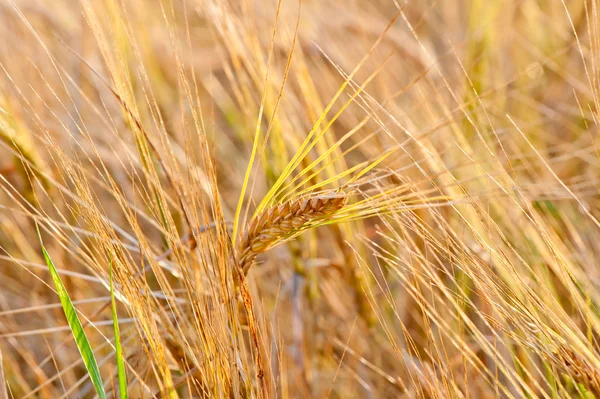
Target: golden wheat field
[299, 199]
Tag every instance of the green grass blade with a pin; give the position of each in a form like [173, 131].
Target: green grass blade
[76, 328]
[118, 347]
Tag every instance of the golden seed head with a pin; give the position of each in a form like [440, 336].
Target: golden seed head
[269, 227]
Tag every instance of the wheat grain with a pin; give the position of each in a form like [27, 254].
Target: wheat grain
[277, 223]
[578, 368]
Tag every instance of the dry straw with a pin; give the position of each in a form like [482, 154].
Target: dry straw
[283, 221]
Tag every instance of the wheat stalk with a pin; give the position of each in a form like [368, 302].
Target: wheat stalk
[283, 221]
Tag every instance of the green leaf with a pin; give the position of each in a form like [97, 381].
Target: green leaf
[119, 348]
[76, 328]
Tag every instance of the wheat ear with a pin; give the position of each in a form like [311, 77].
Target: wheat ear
[578, 368]
[282, 221]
